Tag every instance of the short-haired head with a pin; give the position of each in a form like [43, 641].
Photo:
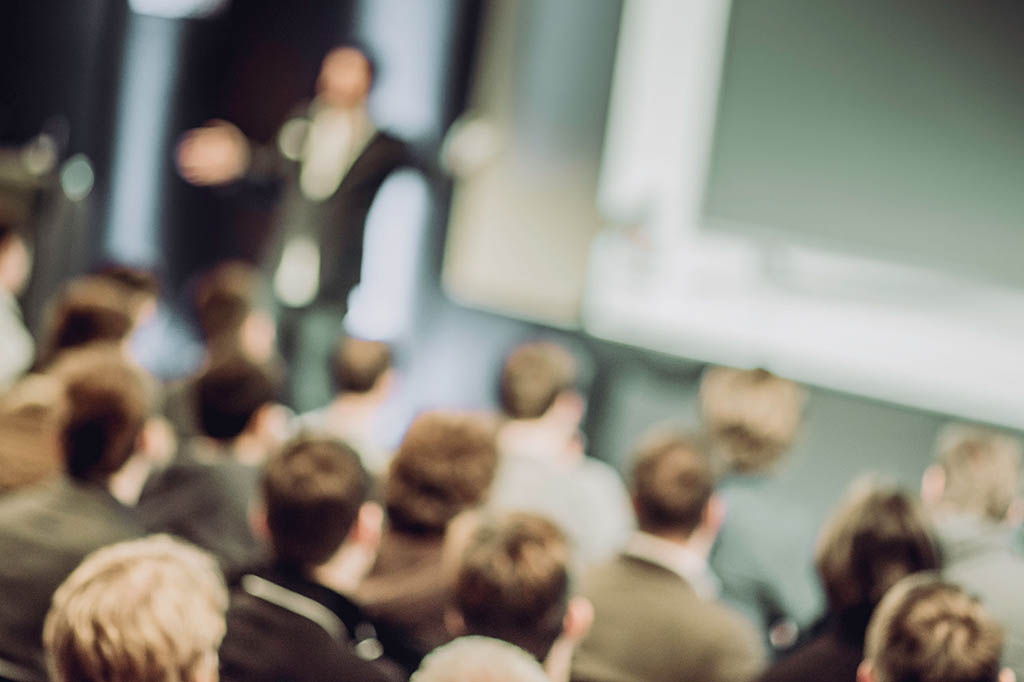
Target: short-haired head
[671, 483]
[533, 377]
[149, 610]
[108, 402]
[230, 393]
[357, 364]
[89, 310]
[313, 489]
[513, 581]
[141, 286]
[925, 630]
[479, 659]
[32, 416]
[981, 470]
[347, 74]
[874, 538]
[225, 296]
[751, 417]
[444, 465]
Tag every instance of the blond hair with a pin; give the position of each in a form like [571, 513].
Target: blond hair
[149, 610]
[479, 659]
[982, 469]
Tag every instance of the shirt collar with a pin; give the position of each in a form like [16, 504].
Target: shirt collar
[680, 559]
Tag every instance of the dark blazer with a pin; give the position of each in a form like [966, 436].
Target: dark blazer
[834, 655]
[267, 642]
[45, 532]
[650, 626]
[337, 223]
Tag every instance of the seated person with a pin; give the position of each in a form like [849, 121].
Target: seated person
[876, 537]
[764, 560]
[653, 619]
[205, 495]
[443, 467]
[925, 630]
[293, 619]
[89, 310]
[973, 492]
[479, 659]
[543, 467]
[363, 381]
[18, 345]
[46, 530]
[149, 609]
[513, 584]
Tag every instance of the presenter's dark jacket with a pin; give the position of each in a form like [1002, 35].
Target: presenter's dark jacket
[45, 532]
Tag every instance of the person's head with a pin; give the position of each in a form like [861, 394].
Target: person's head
[89, 310]
[360, 366]
[925, 630]
[346, 76]
[141, 287]
[671, 484]
[149, 610]
[750, 416]
[977, 472]
[535, 376]
[444, 465]
[874, 538]
[479, 659]
[313, 489]
[32, 414]
[108, 402]
[233, 396]
[230, 317]
[15, 259]
[513, 582]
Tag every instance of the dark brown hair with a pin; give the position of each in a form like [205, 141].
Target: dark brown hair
[532, 378]
[357, 364]
[445, 464]
[225, 297]
[90, 310]
[672, 482]
[230, 393]
[313, 490]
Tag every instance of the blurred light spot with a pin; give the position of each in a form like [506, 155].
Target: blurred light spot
[40, 155]
[76, 177]
[175, 9]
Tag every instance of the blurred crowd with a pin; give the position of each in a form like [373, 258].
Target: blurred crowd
[199, 528]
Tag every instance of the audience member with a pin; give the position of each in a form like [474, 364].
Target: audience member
[205, 495]
[363, 383]
[479, 659]
[89, 310]
[139, 611]
[32, 414]
[973, 490]
[925, 630]
[763, 559]
[444, 466]
[46, 530]
[653, 619]
[543, 467]
[15, 264]
[513, 584]
[875, 538]
[293, 619]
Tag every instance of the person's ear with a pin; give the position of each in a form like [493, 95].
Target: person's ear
[258, 521]
[569, 407]
[866, 672]
[714, 515]
[270, 423]
[454, 623]
[579, 617]
[933, 484]
[369, 526]
[1015, 512]
[1007, 675]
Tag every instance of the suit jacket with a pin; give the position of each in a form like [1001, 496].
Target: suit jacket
[337, 223]
[45, 532]
[650, 626]
[833, 655]
[267, 642]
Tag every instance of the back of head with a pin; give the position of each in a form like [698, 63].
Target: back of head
[225, 297]
[533, 377]
[229, 395]
[90, 310]
[925, 630]
[750, 416]
[32, 417]
[982, 470]
[108, 402]
[479, 659]
[313, 489]
[671, 484]
[357, 364]
[445, 465]
[140, 286]
[149, 610]
[877, 536]
[513, 582]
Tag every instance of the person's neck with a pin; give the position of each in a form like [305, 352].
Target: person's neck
[543, 438]
[355, 406]
[344, 571]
